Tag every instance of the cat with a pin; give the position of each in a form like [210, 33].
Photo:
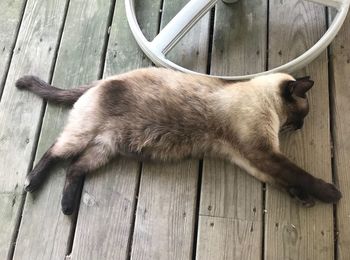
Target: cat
[165, 115]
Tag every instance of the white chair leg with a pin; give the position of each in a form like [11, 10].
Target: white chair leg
[181, 24]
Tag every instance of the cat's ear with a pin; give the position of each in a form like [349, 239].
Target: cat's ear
[289, 89]
[300, 86]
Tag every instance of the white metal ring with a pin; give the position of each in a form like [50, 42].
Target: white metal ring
[195, 9]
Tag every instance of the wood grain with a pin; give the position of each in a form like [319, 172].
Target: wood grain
[231, 200]
[340, 96]
[10, 19]
[166, 211]
[78, 62]
[229, 238]
[192, 50]
[165, 216]
[20, 112]
[239, 41]
[291, 231]
[106, 211]
[105, 220]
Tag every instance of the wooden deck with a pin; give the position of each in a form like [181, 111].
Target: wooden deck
[190, 210]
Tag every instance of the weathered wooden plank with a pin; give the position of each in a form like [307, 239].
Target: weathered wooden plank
[123, 53]
[191, 51]
[340, 96]
[106, 212]
[231, 202]
[10, 19]
[108, 200]
[239, 48]
[230, 225]
[85, 28]
[165, 216]
[166, 211]
[229, 238]
[20, 112]
[293, 232]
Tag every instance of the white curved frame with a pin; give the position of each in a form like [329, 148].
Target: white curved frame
[195, 9]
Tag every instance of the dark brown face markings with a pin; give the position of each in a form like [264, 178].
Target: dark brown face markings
[296, 104]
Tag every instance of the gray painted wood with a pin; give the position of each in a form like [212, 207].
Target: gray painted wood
[166, 211]
[10, 18]
[340, 96]
[229, 238]
[239, 42]
[230, 224]
[78, 62]
[192, 50]
[294, 232]
[105, 221]
[20, 112]
[165, 216]
[106, 212]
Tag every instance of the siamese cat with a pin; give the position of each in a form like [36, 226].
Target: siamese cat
[164, 115]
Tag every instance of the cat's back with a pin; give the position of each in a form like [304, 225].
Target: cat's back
[156, 88]
[158, 80]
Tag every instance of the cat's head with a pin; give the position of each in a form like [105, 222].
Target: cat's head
[290, 95]
[295, 102]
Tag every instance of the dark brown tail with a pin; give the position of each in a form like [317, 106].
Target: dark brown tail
[51, 93]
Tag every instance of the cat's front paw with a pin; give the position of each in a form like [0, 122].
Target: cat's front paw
[302, 196]
[326, 192]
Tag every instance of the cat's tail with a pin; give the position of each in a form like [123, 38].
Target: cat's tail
[51, 93]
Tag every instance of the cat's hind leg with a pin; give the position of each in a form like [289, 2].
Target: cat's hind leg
[77, 134]
[93, 157]
[62, 149]
[68, 145]
[36, 176]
